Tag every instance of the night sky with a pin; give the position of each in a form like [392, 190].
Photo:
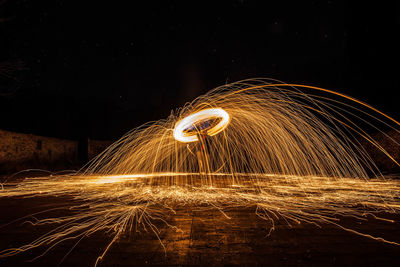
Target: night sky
[76, 69]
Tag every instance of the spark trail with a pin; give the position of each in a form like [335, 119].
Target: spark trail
[255, 143]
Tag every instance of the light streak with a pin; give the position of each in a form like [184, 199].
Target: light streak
[201, 117]
[286, 154]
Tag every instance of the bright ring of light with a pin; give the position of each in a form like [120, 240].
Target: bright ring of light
[190, 121]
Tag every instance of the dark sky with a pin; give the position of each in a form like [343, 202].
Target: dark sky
[85, 68]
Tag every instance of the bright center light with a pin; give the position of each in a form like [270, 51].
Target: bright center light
[210, 121]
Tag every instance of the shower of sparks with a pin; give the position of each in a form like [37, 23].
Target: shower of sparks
[287, 154]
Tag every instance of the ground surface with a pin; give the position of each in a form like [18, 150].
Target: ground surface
[207, 237]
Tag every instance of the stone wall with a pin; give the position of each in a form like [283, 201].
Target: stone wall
[21, 151]
[25, 151]
[95, 147]
[383, 162]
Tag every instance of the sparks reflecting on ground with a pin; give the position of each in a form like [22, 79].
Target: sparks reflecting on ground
[118, 203]
[270, 146]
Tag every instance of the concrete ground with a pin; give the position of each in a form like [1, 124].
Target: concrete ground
[207, 237]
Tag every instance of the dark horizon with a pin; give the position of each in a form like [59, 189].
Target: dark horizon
[92, 70]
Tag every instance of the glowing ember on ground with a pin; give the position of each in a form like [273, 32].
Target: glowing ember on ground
[264, 145]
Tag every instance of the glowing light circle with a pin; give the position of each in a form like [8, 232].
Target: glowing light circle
[182, 134]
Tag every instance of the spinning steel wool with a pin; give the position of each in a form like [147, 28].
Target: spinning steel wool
[254, 143]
